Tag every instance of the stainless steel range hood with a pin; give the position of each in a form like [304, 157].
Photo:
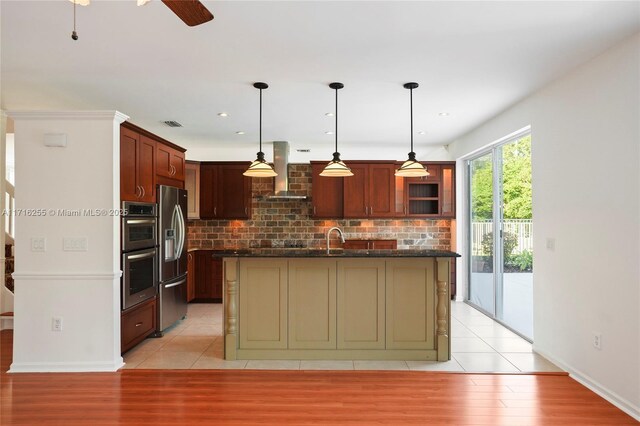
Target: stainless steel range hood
[281, 166]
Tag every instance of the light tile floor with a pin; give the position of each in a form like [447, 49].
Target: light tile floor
[478, 344]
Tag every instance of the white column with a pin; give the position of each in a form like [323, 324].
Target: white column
[81, 287]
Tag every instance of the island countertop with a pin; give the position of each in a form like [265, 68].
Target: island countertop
[334, 252]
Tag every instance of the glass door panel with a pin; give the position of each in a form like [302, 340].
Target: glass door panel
[514, 295]
[481, 276]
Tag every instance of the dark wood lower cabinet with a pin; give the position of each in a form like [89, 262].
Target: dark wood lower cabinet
[207, 276]
[137, 323]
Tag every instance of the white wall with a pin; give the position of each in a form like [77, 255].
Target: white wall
[81, 287]
[347, 151]
[586, 195]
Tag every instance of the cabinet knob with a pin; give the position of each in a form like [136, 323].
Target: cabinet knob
[246, 210]
[314, 210]
[139, 324]
[215, 211]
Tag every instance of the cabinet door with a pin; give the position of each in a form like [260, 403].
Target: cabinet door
[129, 189]
[312, 304]
[326, 194]
[192, 185]
[382, 190]
[191, 271]
[163, 162]
[136, 324]
[208, 193]
[204, 275]
[410, 303]
[263, 304]
[361, 304]
[447, 191]
[234, 192]
[356, 196]
[147, 169]
[177, 164]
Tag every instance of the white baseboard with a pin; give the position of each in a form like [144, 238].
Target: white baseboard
[620, 402]
[66, 367]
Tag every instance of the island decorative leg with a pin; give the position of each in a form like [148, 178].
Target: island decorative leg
[442, 309]
[231, 309]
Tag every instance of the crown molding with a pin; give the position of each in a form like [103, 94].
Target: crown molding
[68, 115]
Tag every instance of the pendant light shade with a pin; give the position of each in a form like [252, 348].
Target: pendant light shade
[260, 168]
[411, 167]
[336, 168]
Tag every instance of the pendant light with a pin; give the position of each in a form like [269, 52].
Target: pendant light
[260, 168]
[336, 168]
[411, 167]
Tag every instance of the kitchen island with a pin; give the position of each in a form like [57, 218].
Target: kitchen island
[351, 304]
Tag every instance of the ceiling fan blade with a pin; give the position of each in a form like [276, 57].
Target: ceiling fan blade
[192, 12]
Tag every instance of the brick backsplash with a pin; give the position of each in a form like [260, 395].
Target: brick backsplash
[289, 224]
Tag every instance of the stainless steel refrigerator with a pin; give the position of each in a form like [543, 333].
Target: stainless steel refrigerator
[172, 270]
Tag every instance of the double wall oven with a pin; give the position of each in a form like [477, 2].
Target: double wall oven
[139, 253]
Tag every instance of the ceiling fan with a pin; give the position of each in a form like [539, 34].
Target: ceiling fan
[192, 12]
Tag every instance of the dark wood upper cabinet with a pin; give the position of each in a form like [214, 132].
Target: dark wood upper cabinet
[382, 190]
[370, 192]
[170, 162]
[208, 180]
[129, 188]
[137, 167]
[147, 160]
[432, 196]
[448, 191]
[326, 194]
[224, 192]
[146, 169]
[356, 192]
[234, 192]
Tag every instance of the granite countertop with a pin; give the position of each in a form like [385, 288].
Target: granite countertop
[297, 252]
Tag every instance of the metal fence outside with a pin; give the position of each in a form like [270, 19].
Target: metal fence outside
[521, 228]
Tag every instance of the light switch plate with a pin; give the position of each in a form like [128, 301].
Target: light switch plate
[551, 244]
[38, 244]
[75, 244]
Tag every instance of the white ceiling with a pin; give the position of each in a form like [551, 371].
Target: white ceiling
[472, 59]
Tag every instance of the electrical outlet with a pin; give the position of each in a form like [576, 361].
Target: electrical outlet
[597, 340]
[56, 324]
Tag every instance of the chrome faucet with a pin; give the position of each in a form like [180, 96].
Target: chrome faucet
[335, 228]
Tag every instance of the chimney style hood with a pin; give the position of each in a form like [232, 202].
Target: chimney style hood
[281, 166]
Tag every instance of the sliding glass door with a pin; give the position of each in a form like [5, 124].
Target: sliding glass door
[501, 234]
[481, 283]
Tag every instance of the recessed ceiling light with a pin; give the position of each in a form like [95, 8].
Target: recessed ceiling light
[239, 132]
[329, 114]
[443, 114]
[422, 132]
[223, 114]
[329, 132]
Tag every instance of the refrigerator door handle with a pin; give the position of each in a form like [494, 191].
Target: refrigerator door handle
[175, 284]
[182, 229]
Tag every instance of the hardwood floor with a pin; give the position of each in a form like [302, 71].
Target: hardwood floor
[245, 397]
